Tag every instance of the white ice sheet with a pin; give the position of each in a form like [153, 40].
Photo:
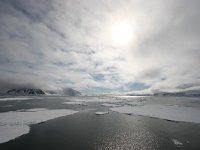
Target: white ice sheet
[16, 123]
[174, 113]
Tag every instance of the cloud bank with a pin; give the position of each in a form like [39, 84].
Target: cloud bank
[67, 43]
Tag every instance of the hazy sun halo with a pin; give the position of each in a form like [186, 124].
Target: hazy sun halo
[121, 33]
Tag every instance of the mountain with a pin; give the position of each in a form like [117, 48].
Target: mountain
[186, 93]
[70, 92]
[30, 91]
[50, 92]
[63, 92]
[189, 93]
[134, 94]
[25, 91]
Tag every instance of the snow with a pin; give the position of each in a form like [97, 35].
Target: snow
[174, 112]
[9, 132]
[15, 98]
[73, 103]
[101, 112]
[35, 109]
[177, 143]
[110, 105]
[16, 123]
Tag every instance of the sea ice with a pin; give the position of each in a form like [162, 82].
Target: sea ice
[174, 113]
[35, 109]
[75, 103]
[16, 123]
[101, 112]
[15, 98]
[177, 143]
[110, 105]
[134, 103]
[96, 99]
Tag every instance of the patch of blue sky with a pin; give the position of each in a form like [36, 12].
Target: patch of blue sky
[97, 90]
[98, 77]
[137, 86]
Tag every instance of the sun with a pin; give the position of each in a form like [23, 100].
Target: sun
[122, 33]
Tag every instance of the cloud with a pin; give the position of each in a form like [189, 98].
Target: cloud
[68, 43]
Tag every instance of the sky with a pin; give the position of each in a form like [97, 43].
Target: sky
[53, 44]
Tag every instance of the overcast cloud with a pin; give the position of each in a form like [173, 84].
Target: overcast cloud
[67, 43]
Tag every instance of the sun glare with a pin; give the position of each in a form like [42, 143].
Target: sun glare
[122, 33]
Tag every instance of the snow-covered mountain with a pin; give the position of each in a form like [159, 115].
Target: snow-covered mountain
[25, 91]
[70, 92]
[31, 91]
[187, 93]
[190, 93]
[63, 92]
[50, 92]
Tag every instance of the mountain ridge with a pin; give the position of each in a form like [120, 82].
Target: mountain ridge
[37, 91]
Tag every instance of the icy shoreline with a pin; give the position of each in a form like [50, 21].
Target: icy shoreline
[173, 113]
[15, 98]
[16, 123]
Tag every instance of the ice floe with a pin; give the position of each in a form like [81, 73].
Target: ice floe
[75, 103]
[15, 98]
[110, 105]
[101, 112]
[177, 143]
[96, 99]
[134, 103]
[16, 123]
[35, 109]
[173, 113]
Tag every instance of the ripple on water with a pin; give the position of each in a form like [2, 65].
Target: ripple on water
[140, 139]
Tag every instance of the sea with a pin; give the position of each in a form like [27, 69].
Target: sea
[99, 123]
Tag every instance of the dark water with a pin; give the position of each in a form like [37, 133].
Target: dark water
[113, 131]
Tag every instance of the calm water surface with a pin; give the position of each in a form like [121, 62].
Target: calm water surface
[113, 131]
